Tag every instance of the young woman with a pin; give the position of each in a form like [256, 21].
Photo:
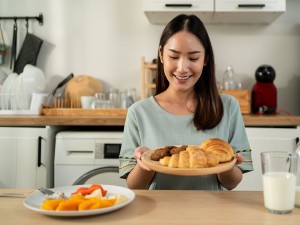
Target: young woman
[186, 109]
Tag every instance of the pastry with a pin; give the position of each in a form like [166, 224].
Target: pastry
[160, 153]
[210, 153]
[176, 150]
[174, 161]
[165, 160]
[219, 147]
[193, 157]
[184, 159]
[166, 151]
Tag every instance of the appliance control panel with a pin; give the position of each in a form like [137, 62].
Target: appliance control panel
[107, 150]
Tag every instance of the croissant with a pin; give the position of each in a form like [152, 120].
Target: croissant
[219, 147]
[192, 157]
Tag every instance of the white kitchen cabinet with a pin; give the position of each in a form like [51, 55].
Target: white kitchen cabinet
[262, 140]
[22, 161]
[162, 11]
[248, 11]
[216, 11]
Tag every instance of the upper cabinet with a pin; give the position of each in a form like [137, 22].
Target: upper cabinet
[245, 11]
[162, 11]
[216, 11]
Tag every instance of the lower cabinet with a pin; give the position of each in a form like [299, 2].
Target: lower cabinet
[22, 157]
[262, 140]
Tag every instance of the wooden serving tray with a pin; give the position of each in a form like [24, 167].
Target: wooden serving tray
[83, 112]
[156, 166]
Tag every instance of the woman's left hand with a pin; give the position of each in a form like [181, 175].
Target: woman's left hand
[239, 158]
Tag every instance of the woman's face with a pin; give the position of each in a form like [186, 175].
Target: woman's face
[183, 58]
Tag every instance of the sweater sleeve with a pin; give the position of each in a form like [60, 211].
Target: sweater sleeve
[131, 141]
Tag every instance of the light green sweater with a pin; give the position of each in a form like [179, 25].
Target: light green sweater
[147, 124]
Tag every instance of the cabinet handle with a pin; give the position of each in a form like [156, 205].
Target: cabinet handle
[179, 5]
[39, 162]
[251, 5]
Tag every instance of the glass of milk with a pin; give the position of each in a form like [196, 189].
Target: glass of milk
[279, 171]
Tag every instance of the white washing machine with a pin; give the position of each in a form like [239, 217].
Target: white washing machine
[87, 157]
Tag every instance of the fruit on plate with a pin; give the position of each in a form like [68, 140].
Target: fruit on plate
[89, 190]
[84, 198]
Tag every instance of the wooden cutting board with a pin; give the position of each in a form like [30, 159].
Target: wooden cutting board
[156, 166]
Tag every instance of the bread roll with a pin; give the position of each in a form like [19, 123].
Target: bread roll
[219, 147]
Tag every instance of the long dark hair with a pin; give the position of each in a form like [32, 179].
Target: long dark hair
[209, 108]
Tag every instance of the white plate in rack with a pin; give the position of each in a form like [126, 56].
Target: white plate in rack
[6, 91]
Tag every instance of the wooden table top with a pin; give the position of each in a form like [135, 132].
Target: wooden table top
[163, 207]
[107, 120]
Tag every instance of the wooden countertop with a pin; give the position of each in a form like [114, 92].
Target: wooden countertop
[61, 120]
[25, 120]
[163, 207]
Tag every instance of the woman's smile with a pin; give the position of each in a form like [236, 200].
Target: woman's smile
[182, 77]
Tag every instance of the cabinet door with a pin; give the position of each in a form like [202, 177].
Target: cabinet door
[31, 170]
[248, 11]
[162, 11]
[249, 5]
[20, 157]
[8, 161]
[263, 140]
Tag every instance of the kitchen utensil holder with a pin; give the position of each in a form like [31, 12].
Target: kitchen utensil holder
[39, 18]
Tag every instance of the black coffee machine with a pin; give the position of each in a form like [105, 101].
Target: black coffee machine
[264, 92]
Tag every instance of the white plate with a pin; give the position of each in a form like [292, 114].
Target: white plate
[34, 80]
[21, 98]
[34, 201]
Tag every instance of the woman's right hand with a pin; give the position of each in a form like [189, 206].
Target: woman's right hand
[139, 151]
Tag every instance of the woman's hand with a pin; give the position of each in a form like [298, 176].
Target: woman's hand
[239, 158]
[138, 154]
[141, 176]
[230, 179]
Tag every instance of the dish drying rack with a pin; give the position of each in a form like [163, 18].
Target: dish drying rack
[12, 104]
[65, 103]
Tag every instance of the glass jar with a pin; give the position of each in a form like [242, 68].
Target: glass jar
[99, 101]
[114, 98]
[229, 81]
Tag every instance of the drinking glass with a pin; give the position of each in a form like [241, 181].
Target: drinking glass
[279, 171]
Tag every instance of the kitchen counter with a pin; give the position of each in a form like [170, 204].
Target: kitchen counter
[19, 120]
[55, 124]
[163, 207]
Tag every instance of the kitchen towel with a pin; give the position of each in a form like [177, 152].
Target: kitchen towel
[28, 53]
